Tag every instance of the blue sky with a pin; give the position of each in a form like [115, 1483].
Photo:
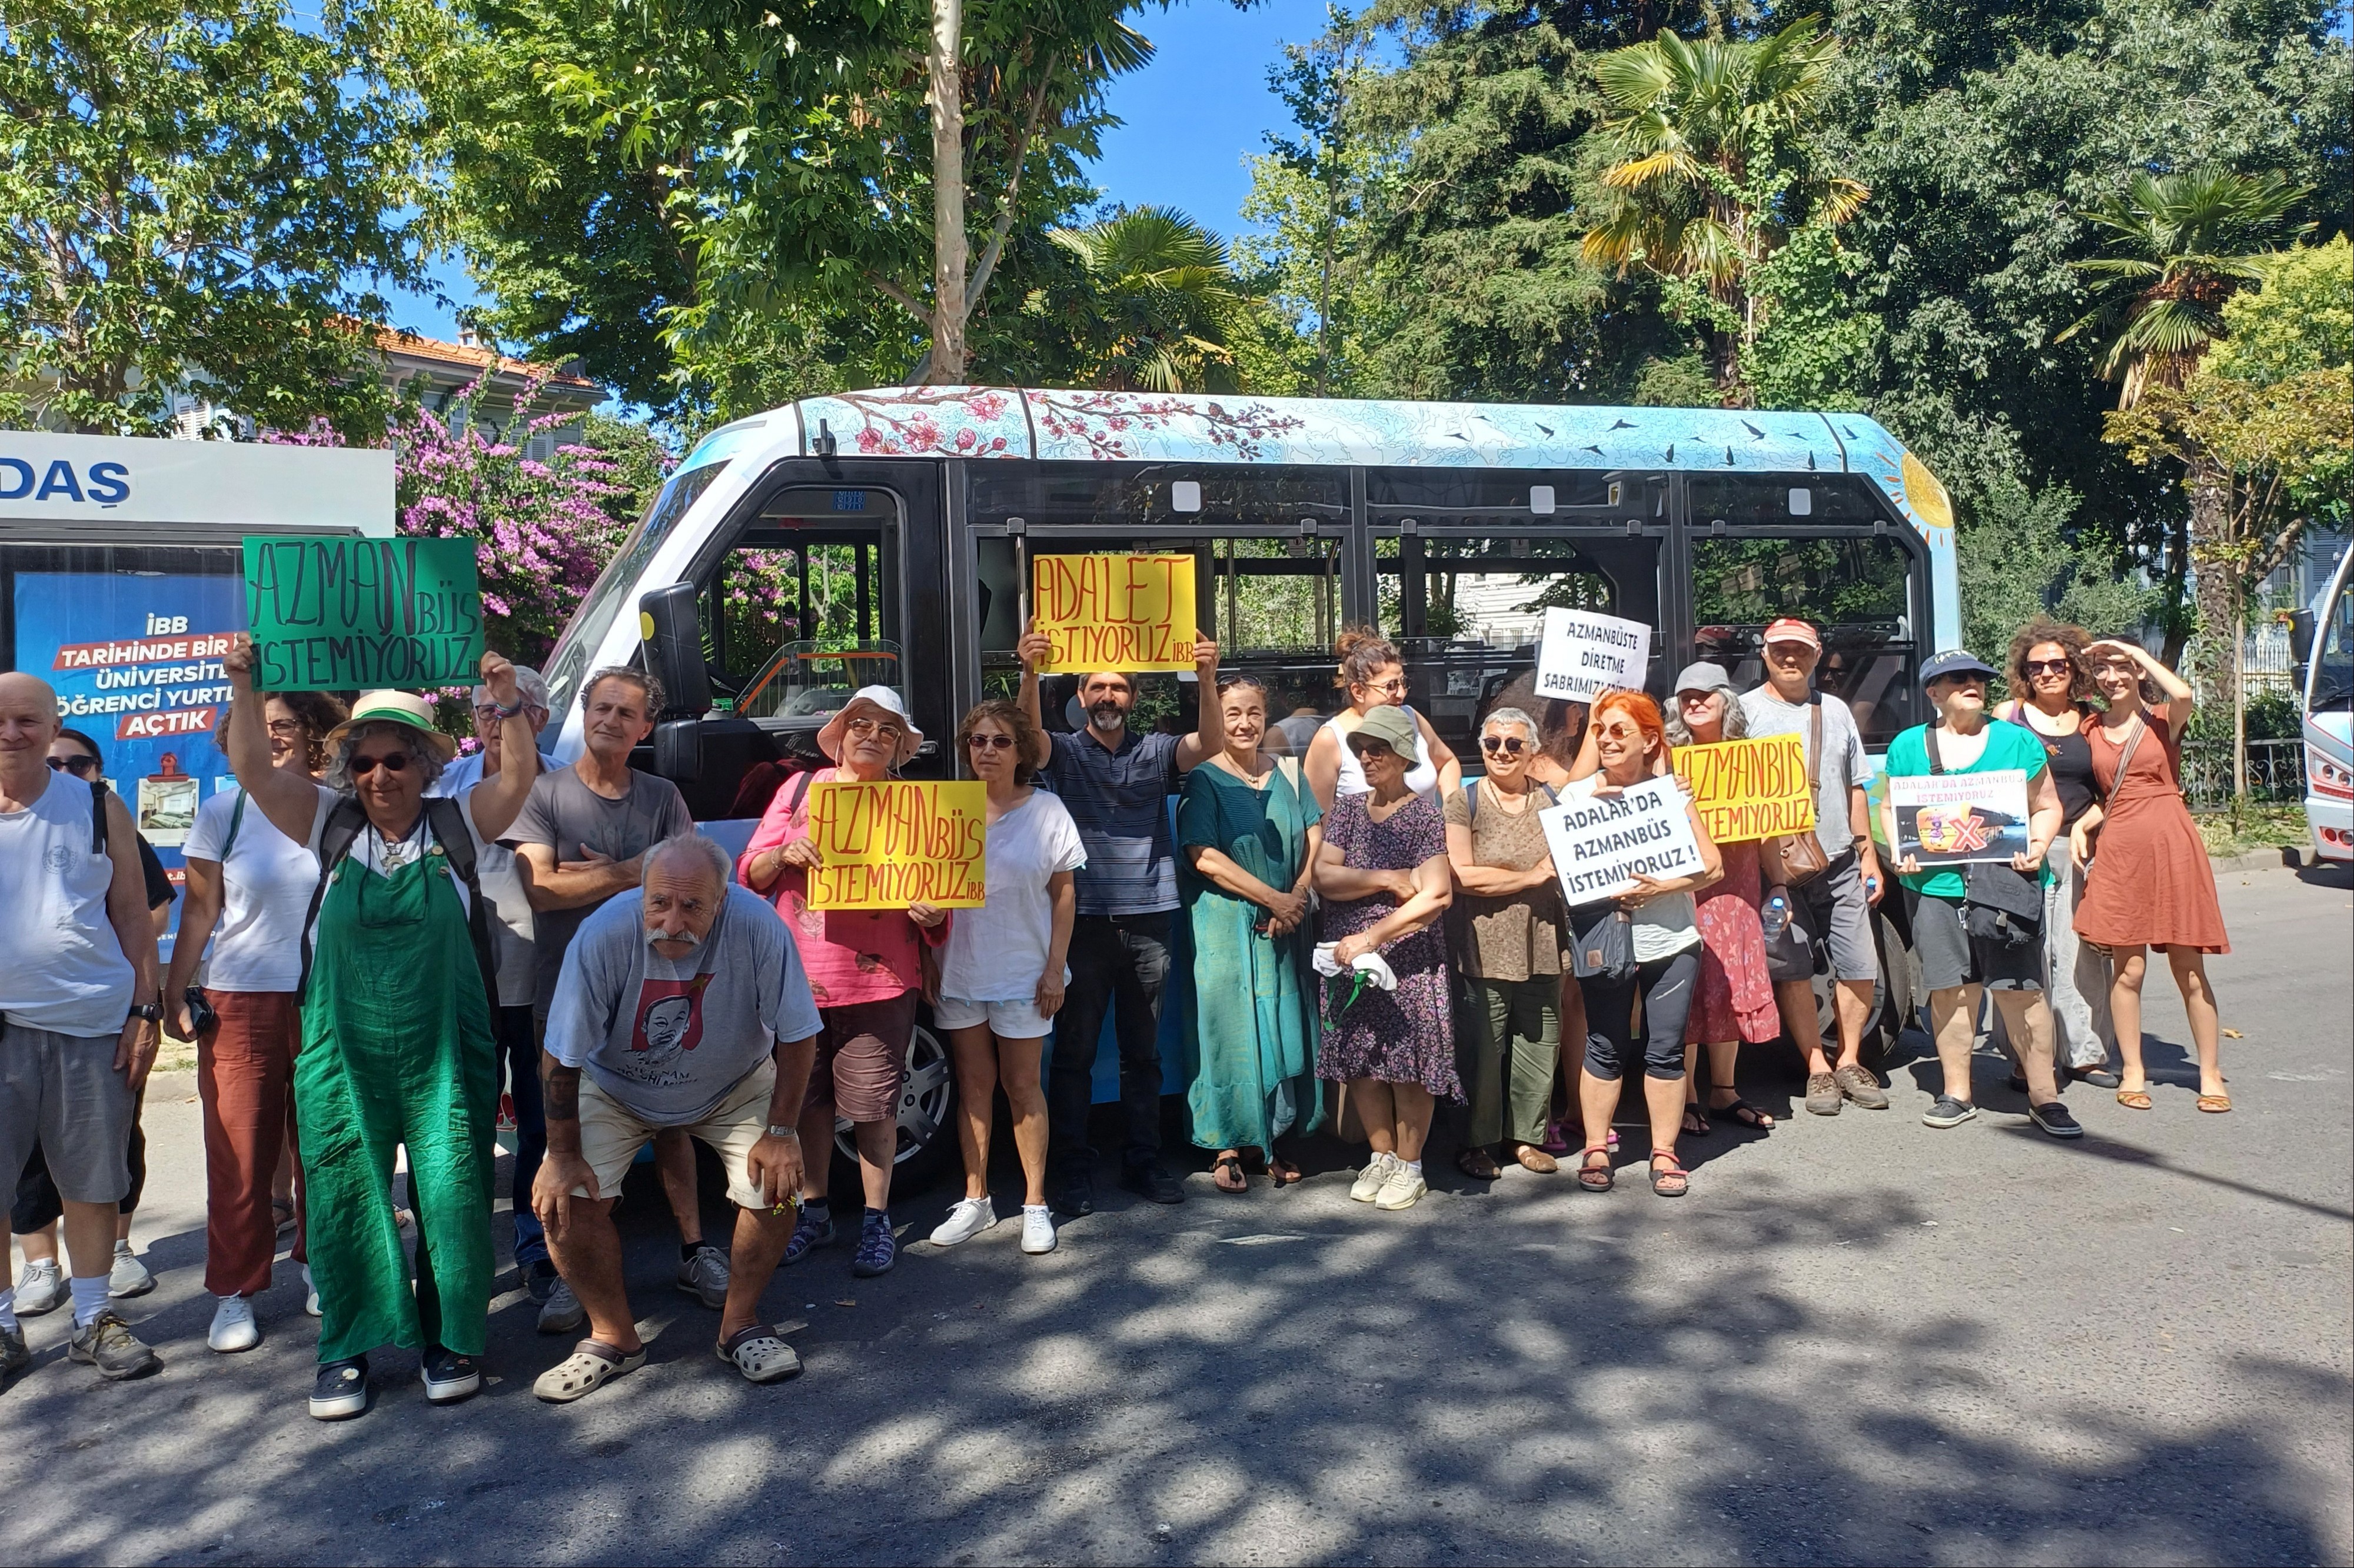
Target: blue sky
[1191, 117]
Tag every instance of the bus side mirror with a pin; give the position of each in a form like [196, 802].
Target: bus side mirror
[674, 649]
[678, 750]
[2300, 635]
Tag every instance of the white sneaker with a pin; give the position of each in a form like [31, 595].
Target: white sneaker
[233, 1329]
[967, 1220]
[309, 1293]
[1403, 1188]
[40, 1289]
[1373, 1178]
[129, 1277]
[1037, 1229]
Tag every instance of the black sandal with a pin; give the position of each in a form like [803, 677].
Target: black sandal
[1695, 1120]
[1592, 1177]
[1242, 1181]
[1479, 1164]
[1744, 1113]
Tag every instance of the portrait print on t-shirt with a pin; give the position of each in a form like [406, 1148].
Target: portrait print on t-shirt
[670, 1024]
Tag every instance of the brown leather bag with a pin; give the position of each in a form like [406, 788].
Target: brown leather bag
[1801, 858]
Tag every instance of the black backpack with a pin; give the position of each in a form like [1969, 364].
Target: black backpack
[346, 822]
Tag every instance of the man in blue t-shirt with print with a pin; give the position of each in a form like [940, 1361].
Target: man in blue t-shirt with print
[1115, 783]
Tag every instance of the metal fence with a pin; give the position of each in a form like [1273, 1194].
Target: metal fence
[2275, 773]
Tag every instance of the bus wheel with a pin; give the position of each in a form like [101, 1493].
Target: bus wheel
[927, 1138]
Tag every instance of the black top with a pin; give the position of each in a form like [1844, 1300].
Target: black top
[2071, 759]
[159, 884]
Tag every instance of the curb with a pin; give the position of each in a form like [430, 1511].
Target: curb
[2289, 857]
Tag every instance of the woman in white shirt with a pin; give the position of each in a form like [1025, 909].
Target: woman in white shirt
[1374, 677]
[1001, 970]
[1628, 739]
[241, 940]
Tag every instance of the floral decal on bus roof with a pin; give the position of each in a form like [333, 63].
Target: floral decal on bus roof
[1125, 424]
[920, 421]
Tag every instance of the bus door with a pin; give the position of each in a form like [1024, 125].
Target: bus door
[802, 597]
[1826, 548]
[1267, 546]
[1468, 562]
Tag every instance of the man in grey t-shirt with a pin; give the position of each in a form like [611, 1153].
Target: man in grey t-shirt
[578, 842]
[1834, 908]
[686, 1007]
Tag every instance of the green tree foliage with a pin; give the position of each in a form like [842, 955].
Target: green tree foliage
[203, 189]
[1157, 301]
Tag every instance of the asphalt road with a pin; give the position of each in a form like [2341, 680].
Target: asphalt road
[1857, 1341]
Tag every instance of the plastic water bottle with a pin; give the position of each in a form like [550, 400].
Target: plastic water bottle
[1775, 917]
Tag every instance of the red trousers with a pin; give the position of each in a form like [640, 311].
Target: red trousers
[245, 1077]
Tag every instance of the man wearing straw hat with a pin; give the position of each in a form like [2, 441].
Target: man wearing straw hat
[398, 983]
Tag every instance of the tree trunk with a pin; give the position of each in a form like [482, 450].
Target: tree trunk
[2209, 485]
[945, 98]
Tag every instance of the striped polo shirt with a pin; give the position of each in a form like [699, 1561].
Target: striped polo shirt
[1118, 797]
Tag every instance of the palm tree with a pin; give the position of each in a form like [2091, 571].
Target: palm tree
[1705, 177]
[2179, 245]
[1161, 294]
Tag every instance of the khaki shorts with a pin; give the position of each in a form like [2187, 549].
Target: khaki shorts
[611, 1134]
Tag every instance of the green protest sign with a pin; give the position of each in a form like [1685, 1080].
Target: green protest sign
[344, 613]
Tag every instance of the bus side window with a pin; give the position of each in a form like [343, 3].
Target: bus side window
[1856, 588]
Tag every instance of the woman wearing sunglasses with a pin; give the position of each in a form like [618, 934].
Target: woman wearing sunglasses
[1509, 936]
[1249, 831]
[397, 1042]
[2049, 683]
[1003, 969]
[1374, 678]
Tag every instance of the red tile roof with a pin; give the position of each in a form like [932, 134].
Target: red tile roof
[459, 355]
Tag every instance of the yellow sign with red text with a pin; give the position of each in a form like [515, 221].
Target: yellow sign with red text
[1749, 789]
[890, 844]
[1115, 612]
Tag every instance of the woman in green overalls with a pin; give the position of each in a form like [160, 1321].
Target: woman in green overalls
[396, 1045]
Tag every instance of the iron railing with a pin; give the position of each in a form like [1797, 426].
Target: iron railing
[2275, 773]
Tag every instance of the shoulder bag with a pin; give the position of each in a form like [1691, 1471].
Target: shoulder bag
[1999, 905]
[1603, 948]
[1800, 859]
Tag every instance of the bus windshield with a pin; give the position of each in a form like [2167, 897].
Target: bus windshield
[597, 612]
[2331, 683]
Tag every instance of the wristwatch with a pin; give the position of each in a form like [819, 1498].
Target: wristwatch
[152, 1012]
[784, 1132]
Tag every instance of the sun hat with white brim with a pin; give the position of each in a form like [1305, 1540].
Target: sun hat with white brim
[829, 740]
[405, 708]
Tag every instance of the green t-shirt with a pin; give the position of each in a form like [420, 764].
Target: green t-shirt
[2007, 745]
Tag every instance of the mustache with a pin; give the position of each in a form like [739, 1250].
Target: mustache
[685, 936]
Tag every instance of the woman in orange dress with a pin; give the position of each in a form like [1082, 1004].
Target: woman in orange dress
[2150, 884]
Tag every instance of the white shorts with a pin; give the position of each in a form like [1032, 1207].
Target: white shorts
[1006, 1020]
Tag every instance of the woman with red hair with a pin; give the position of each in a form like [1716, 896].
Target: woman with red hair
[1626, 741]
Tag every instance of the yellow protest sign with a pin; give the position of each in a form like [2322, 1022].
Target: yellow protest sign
[1749, 789]
[890, 844]
[1115, 612]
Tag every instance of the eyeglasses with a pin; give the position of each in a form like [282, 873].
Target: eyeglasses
[990, 742]
[81, 765]
[865, 726]
[288, 727]
[363, 766]
[2046, 667]
[1507, 744]
[1394, 687]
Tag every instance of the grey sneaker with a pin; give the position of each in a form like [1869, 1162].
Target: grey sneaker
[1949, 1112]
[14, 1354]
[561, 1313]
[1823, 1096]
[129, 1277]
[1856, 1081]
[109, 1345]
[40, 1289]
[705, 1277]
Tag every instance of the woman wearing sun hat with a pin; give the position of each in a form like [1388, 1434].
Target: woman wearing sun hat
[866, 969]
[397, 1043]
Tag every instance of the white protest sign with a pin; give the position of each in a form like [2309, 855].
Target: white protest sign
[1953, 818]
[1600, 843]
[1583, 653]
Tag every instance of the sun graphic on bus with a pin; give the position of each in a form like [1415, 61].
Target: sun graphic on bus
[1922, 494]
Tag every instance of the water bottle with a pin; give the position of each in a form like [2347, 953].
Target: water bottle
[1776, 917]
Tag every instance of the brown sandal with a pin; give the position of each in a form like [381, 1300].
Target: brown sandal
[2134, 1099]
[2215, 1104]
[1229, 1161]
[1479, 1164]
[1592, 1177]
[1531, 1158]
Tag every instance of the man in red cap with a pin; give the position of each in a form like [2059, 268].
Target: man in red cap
[1833, 907]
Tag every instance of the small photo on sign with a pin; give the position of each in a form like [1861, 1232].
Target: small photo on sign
[1601, 843]
[1131, 614]
[1584, 654]
[1953, 818]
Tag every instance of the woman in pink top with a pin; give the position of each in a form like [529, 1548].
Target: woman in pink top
[866, 970]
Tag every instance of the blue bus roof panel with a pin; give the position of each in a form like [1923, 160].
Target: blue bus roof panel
[984, 422]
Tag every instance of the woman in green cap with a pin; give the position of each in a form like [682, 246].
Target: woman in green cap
[397, 1043]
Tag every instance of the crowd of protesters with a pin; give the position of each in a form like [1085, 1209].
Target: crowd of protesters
[386, 948]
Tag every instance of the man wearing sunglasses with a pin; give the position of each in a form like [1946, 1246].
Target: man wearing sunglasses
[398, 983]
[78, 1010]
